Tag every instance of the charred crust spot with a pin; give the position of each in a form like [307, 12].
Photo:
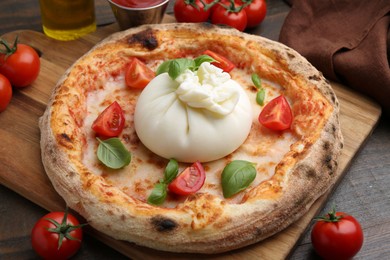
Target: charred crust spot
[310, 173]
[65, 140]
[328, 162]
[306, 171]
[315, 77]
[326, 145]
[290, 55]
[332, 97]
[146, 38]
[65, 137]
[207, 25]
[162, 224]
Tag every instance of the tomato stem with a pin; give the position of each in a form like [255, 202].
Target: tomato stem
[9, 50]
[63, 230]
[210, 5]
[330, 217]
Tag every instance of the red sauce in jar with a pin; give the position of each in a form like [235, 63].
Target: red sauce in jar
[137, 3]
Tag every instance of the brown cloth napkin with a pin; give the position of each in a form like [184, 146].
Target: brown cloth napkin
[347, 40]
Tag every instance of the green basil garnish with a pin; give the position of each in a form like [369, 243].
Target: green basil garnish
[171, 171]
[256, 80]
[159, 192]
[177, 66]
[237, 176]
[260, 95]
[202, 58]
[112, 153]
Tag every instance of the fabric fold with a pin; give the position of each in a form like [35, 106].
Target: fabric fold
[347, 40]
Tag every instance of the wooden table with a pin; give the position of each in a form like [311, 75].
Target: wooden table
[364, 191]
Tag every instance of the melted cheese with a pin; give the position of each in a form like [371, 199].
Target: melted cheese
[198, 117]
[263, 147]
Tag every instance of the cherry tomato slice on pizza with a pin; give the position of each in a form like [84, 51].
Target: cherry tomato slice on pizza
[189, 181]
[110, 122]
[276, 115]
[222, 62]
[138, 75]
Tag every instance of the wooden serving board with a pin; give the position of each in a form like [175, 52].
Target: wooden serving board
[20, 162]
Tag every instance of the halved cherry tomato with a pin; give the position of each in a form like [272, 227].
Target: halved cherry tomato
[110, 122]
[5, 92]
[276, 115]
[189, 181]
[222, 62]
[138, 75]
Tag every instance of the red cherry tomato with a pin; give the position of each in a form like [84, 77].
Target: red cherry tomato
[255, 12]
[20, 64]
[236, 19]
[138, 75]
[222, 62]
[276, 115]
[188, 11]
[110, 122]
[189, 181]
[337, 236]
[5, 92]
[46, 238]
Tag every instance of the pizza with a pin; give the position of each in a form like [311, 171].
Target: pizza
[191, 137]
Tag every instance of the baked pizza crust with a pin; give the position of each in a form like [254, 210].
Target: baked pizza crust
[203, 223]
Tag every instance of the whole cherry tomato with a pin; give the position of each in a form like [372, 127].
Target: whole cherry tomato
[189, 181]
[20, 63]
[57, 235]
[190, 11]
[5, 92]
[276, 115]
[110, 122]
[138, 75]
[255, 11]
[337, 236]
[230, 15]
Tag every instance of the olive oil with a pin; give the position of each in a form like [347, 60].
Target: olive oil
[67, 19]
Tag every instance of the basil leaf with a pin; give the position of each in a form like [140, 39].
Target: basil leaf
[158, 195]
[171, 171]
[256, 80]
[260, 97]
[178, 66]
[237, 176]
[113, 154]
[164, 67]
[202, 58]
